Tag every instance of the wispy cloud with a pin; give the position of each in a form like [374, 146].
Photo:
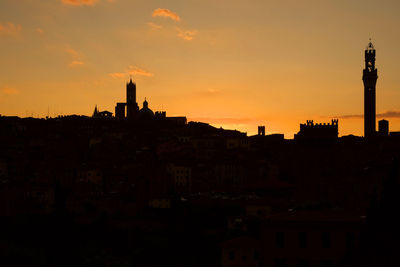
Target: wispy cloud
[76, 63]
[71, 51]
[187, 35]
[79, 2]
[386, 114]
[210, 92]
[76, 57]
[389, 114]
[9, 28]
[118, 75]
[162, 12]
[132, 70]
[153, 25]
[39, 31]
[9, 91]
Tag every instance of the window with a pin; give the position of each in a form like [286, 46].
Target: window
[280, 240]
[302, 239]
[326, 240]
[279, 263]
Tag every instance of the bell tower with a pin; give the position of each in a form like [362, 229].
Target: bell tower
[370, 75]
[132, 106]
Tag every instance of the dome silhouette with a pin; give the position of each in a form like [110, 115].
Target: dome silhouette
[146, 113]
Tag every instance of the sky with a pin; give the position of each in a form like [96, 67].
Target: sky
[235, 64]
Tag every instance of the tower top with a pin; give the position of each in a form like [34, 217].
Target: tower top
[130, 81]
[370, 46]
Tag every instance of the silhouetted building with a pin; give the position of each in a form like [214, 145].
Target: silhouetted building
[120, 110]
[395, 134]
[241, 251]
[383, 128]
[95, 112]
[101, 114]
[132, 106]
[160, 115]
[181, 175]
[369, 78]
[130, 109]
[261, 130]
[318, 131]
[146, 113]
[179, 120]
[298, 238]
[105, 114]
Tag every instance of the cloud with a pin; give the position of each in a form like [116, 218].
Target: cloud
[9, 91]
[72, 52]
[154, 26]
[118, 75]
[76, 63]
[162, 12]
[76, 57]
[186, 34]
[132, 70]
[386, 114]
[79, 2]
[10, 29]
[210, 92]
[389, 114]
[40, 31]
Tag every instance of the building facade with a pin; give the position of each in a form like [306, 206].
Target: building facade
[318, 131]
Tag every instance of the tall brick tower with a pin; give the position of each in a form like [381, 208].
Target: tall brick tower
[132, 106]
[370, 75]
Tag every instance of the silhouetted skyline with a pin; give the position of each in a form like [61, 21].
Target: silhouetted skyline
[274, 64]
[199, 133]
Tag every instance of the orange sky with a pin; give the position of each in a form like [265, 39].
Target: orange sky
[236, 64]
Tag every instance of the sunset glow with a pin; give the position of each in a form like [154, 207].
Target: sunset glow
[234, 64]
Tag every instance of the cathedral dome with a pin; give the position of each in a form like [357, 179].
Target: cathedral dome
[146, 112]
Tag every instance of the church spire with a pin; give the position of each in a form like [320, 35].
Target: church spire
[95, 112]
[145, 103]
